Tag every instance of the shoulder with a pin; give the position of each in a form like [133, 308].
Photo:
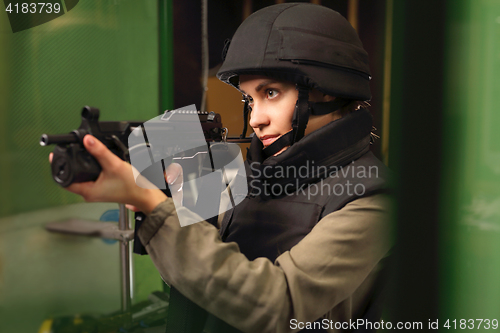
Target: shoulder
[365, 223]
[360, 227]
[372, 209]
[341, 251]
[380, 202]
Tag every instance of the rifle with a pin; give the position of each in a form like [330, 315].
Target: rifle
[72, 163]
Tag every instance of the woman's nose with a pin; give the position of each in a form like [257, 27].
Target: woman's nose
[258, 116]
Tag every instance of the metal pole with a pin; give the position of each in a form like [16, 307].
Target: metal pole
[204, 53]
[125, 261]
[166, 55]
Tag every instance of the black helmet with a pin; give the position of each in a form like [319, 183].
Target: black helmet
[308, 44]
[300, 42]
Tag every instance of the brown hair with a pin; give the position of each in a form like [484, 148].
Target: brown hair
[353, 106]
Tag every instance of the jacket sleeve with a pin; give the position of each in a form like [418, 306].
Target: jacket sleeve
[318, 273]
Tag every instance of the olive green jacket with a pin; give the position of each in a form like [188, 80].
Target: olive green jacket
[329, 274]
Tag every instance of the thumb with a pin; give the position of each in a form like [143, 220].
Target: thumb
[102, 154]
[132, 208]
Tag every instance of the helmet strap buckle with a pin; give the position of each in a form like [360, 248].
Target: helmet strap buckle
[301, 113]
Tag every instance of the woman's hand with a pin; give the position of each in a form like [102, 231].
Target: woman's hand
[115, 182]
[175, 180]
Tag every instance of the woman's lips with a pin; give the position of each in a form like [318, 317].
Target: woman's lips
[268, 139]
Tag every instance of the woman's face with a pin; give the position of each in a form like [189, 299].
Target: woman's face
[273, 103]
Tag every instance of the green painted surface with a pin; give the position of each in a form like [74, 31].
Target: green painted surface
[44, 274]
[101, 53]
[470, 244]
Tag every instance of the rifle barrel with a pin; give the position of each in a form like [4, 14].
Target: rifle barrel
[46, 139]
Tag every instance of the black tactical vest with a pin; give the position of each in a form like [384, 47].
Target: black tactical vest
[287, 195]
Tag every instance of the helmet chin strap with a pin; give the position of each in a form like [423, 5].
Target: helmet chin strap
[285, 140]
[301, 113]
[246, 111]
[301, 117]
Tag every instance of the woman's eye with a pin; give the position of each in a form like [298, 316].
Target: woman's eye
[271, 93]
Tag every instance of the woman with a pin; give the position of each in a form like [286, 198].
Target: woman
[310, 252]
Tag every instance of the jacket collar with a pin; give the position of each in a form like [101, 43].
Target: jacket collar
[335, 144]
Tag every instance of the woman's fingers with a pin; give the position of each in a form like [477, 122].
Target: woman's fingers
[83, 189]
[132, 208]
[116, 182]
[174, 174]
[175, 179]
[97, 149]
[102, 154]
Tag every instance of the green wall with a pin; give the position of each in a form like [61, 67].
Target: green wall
[471, 173]
[445, 151]
[101, 53]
